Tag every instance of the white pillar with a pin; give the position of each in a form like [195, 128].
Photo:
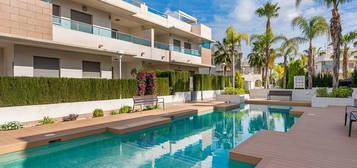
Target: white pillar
[120, 66]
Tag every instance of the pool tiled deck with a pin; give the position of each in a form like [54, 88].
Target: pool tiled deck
[11, 141]
[318, 139]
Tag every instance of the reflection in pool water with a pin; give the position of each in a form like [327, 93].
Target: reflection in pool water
[198, 141]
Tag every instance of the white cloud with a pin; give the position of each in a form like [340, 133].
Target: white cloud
[244, 10]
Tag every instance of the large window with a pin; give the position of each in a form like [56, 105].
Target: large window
[81, 21]
[56, 11]
[187, 45]
[177, 45]
[46, 67]
[91, 69]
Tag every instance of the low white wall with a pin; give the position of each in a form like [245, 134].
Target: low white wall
[37, 112]
[328, 101]
[298, 94]
[207, 94]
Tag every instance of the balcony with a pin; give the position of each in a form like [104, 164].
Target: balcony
[156, 12]
[134, 2]
[161, 46]
[186, 51]
[92, 29]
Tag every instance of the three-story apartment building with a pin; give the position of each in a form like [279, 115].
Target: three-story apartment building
[97, 39]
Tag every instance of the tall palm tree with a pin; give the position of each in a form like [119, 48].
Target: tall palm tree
[269, 11]
[310, 28]
[335, 31]
[221, 56]
[288, 49]
[346, 40]
[267, 39]
[233, 40]
[256, 58]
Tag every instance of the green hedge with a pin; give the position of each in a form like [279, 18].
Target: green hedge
[210, 82]
[179, 81]
[163, 88]
[17, 91]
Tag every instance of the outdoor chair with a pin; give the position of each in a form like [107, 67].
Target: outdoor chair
[352, 115]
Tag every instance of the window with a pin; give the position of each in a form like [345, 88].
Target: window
[91, 69]
[81, 17]
[187, 45]
[177, 43]
[46, 67]
[56, 11]
[81, 22]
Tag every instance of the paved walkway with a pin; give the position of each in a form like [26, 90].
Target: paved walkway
[35, 136]
[318, 140]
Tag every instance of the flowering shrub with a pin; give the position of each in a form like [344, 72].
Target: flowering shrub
[146, 82]
[141, 82]
[150, 83]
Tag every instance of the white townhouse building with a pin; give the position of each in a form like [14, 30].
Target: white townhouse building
[97, 39]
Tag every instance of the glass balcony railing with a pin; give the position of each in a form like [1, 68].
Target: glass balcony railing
[186, 51]
[134, 2]
[87, 28]
[154, 11]
[161, 46]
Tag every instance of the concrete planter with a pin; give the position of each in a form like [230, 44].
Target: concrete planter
[236, 99]
[331, 101]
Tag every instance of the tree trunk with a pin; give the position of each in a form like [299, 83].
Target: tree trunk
[309, 66]
[285, 77]
[267, 57]
[335, 28]
[263, 76]
[345, 62]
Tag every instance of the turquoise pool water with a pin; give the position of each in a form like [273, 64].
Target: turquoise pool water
[196, 141]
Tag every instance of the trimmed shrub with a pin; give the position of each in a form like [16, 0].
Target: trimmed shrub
[125, 109]
[210, 82]
[163, 88]
[321, 92]
[234, 91]
[19, 91]
[322, 80]
[341, 92]
[14, 125]
[98, 113]
[239, 80]
[295, 68]
[71, 117]
[179, 81]
[153, 107]
[46, 120]
[354, 78]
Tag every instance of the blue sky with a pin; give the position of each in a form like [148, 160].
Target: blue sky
[219, 14]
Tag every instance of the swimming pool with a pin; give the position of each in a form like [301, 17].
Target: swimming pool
[196, 141]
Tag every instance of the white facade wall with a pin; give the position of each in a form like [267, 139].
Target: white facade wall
[70, 62]
[2, 64]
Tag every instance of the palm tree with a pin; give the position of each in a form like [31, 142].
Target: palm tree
[335, 31]
[269, 11]
[256, 57]
[221, 56]
[310, 28]
[233, 41]
[288, 49]
[267, 39]
[346, 39]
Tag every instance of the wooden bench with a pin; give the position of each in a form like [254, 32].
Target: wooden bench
[280, 93]
[147, 100]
